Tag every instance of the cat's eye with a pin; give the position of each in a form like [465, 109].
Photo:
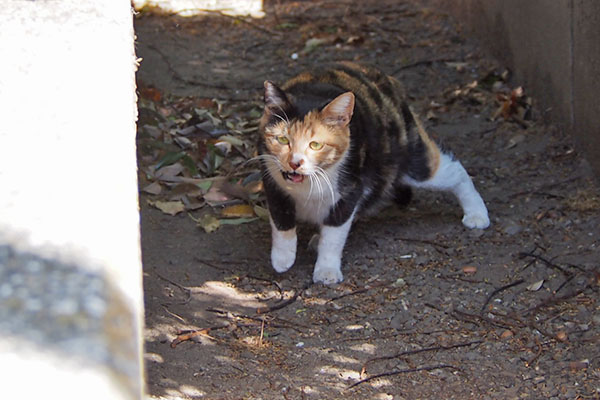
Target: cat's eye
[283, 140]
[316, 145]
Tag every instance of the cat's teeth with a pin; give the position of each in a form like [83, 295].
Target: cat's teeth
[293, 176]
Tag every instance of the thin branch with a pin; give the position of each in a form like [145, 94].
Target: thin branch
[187, 291]
[285, 303]
[402, 371]
[495, 292]
[547, 262]
[189, 335]
[423, 350]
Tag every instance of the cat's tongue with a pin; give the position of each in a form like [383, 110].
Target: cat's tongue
[296, 178]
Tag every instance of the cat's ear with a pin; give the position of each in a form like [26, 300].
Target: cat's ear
[275, 99]
[339, 111]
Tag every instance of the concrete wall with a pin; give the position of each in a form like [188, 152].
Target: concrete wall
[71, 306]
[553, 48]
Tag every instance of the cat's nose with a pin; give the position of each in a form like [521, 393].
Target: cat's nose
[294, 165]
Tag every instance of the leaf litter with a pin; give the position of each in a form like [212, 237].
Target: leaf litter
[194, 156]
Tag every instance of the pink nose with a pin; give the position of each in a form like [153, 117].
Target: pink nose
[294, 165]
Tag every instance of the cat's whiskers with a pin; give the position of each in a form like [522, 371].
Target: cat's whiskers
[310, 182]
[326, 179]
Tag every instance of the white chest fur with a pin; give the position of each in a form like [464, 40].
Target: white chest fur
[313, 198]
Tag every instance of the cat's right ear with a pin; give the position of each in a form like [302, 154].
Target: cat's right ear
[275, 99]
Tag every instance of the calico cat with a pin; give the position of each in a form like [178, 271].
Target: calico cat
[340, 141]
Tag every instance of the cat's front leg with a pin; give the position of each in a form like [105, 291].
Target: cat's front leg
[283, 226]
[283, 248]
[328, 269]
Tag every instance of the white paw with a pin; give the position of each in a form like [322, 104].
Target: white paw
[476, 220]
[328, 273]
[282, 258]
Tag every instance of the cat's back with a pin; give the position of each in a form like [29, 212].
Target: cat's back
[379, 124]
[379, 97]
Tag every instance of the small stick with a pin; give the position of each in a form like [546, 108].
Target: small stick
[402, 371]
[185, 290]
[188, 335]
[547, 262]
[496, 291]
[423, 350]
[285, 303]
[537, 355]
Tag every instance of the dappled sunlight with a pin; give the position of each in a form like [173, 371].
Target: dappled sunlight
[229, 293]
[345, 374]
[365, 348]
[338, 358]
[188, 8]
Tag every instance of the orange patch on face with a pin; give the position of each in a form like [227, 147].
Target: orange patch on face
[301, 133]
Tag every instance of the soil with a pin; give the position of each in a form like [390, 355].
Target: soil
[441, 311]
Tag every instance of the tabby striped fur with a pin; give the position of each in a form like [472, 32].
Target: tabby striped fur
[342, 140]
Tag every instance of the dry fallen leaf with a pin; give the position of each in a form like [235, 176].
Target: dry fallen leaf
[153, 188]
[215, 196]
[208, 222]
[562, 336]
[469, 269]
[534, 287]
[237, 211]
[506, 334]
[168, 207]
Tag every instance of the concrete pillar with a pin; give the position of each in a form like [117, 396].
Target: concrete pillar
[70, 270]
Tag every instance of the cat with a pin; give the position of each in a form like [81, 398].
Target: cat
[340, 141]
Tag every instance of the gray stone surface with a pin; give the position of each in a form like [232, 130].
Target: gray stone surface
[71, 309]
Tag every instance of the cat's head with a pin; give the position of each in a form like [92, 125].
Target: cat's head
[304, 144]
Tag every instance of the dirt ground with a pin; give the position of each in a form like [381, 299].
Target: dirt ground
[442, 312]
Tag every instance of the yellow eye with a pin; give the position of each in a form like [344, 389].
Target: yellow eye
[283, 140]
[316, 145]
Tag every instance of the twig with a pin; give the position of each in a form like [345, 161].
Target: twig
[187, 291]
[188, 335]
[553, 300]
[537, 355]
[547, 262]
[496, 291]
[459, 277]
[192, 82]
[285, 303]
[211, 263]
[402, 371]
[359, 291]
[472, 318]
[417, 351]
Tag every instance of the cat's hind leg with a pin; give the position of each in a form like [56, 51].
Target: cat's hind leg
[451, 176]
[430, 168]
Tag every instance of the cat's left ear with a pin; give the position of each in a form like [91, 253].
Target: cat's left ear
[275, 98]
[339, 111]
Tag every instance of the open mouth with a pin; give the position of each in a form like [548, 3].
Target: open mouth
[293, 176]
